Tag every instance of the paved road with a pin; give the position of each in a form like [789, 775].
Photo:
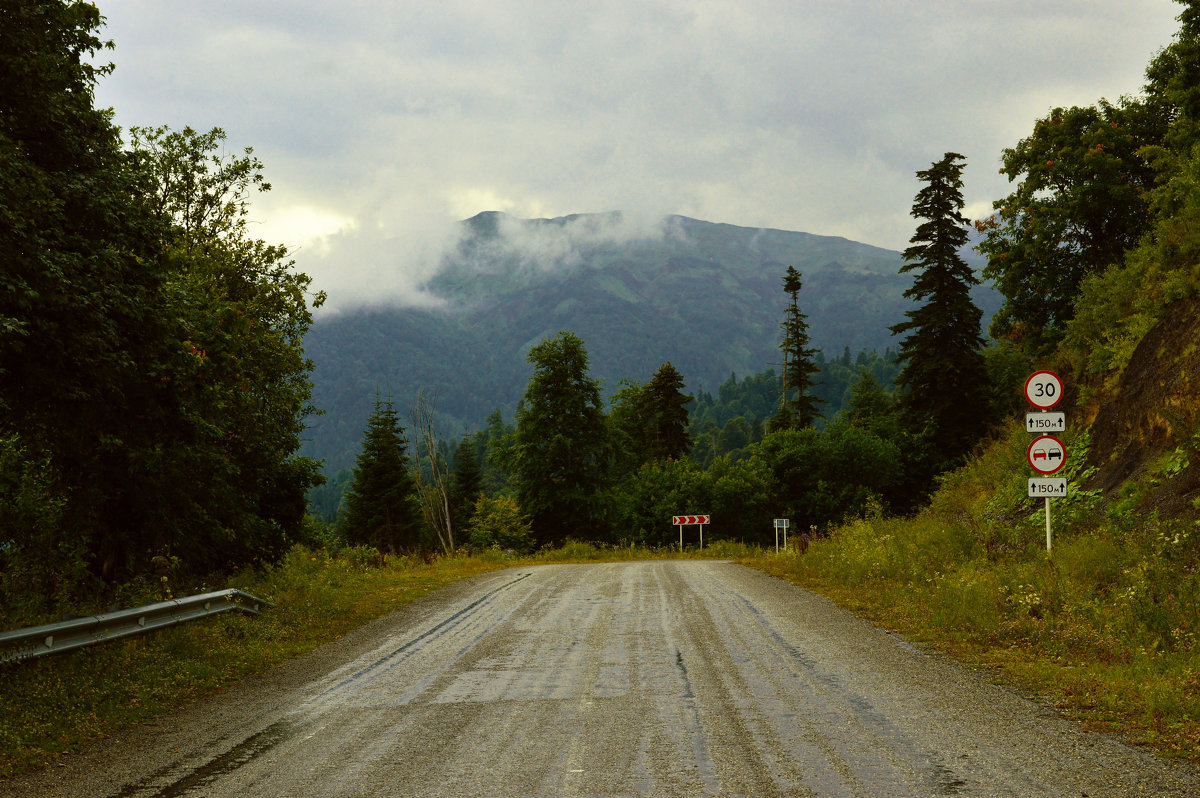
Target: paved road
[656, 678]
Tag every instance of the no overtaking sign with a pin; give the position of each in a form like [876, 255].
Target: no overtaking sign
[1046, 454]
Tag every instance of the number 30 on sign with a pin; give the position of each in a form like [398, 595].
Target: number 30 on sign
[1044, 389]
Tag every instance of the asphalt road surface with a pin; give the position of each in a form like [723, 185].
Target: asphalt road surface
[651, 678]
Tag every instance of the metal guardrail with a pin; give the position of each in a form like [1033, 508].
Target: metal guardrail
[51, 638]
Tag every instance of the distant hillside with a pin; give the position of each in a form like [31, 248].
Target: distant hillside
[705, 296]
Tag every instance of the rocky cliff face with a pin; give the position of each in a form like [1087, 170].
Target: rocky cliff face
[1149, 426]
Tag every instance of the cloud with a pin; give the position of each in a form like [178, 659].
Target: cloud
[553, 244]
[301, 227]
[382, 124]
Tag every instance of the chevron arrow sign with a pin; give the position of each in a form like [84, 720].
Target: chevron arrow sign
[687, 520]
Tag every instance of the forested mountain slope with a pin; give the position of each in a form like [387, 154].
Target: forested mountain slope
[708, 297]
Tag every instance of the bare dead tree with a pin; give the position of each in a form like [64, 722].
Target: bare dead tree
[432, 490]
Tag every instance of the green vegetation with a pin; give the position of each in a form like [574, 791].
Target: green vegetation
[561, 451]
[943, 384]
[1094, 186]
[56, 704]
[1107, 626]
[380, 502]
[154, 385]
[797, 404]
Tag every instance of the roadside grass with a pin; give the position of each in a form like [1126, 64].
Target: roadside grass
[573, 551]
[1105, 627]
[53, 705]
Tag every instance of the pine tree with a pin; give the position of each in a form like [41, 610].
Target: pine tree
[560, 450]
[667, 414]
[943, 381]
[380, 505]
[466, 484]
[797, 407]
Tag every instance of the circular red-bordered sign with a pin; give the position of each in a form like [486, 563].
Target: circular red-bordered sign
[1044, 389]
[1046, 454]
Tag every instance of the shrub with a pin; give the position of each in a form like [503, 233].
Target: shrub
[499, 523]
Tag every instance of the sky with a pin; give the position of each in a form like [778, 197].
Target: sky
[382, 123]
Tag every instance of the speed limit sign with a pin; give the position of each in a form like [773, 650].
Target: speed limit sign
[1044, 389]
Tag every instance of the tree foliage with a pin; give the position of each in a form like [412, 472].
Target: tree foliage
[943, 380]
[560, 450]
[466, 485]
[667, 415]
[1093, 184]
[498, 523]
[150, 351]
[650, 422]
[797, 405]
[1081, 201]
[381, 502]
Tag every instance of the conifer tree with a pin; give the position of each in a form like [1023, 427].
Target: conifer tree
[797, 406]
[381, 504]
[667, 414]
[560, 450]
[943, 381]
[466, 484]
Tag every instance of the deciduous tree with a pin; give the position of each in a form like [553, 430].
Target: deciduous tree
[1081, 201]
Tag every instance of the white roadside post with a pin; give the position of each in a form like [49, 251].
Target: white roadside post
[1046, 455]
[690, 520]
[781, 523]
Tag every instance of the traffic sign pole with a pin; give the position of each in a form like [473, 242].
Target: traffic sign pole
[1046, 455]
[1049, 542]
[690, 520]
[781, 523]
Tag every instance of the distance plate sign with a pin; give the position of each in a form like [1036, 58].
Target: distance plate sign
[1046, 454]
[1045, 422]
[1047, 487]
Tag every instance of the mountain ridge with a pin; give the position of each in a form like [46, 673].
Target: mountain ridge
[706, 296]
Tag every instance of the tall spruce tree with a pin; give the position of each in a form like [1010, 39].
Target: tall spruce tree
[466, 484]
[561, 451]
[381, 502]
[797, 406]
[943, 381]
[667, 415]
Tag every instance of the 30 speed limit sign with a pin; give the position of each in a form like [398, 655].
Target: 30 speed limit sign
[1044, 389]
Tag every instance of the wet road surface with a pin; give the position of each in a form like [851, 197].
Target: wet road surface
[666, 678]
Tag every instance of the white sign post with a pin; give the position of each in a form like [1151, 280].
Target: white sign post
[781, 523]
[1046, 455]
[689, 520]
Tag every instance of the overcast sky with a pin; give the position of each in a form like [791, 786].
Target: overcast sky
[382, 122]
